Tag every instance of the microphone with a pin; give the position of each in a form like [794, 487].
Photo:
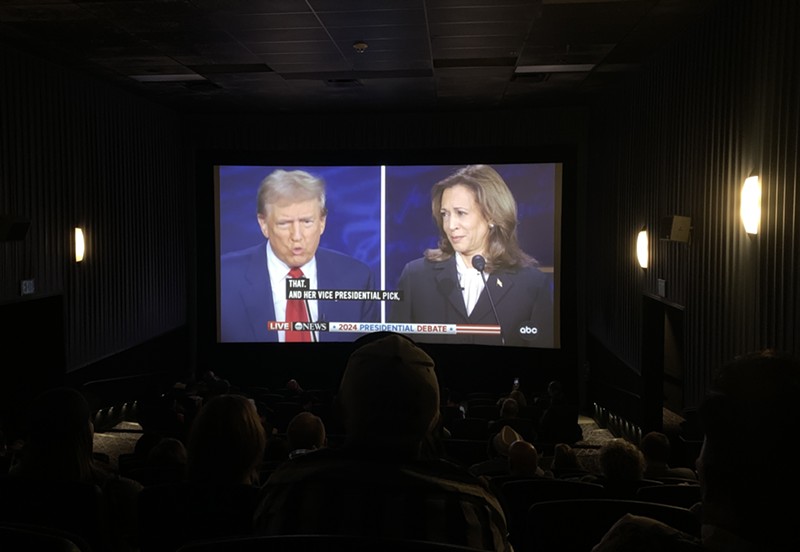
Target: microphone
[314, 337]
[479, 263]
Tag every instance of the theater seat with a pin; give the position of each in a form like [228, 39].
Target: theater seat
[469, 428]
[579, 524]
[518, 495]
[684, 496]
[466, 451]
[73, 507]
[321, 543]
[37, 538]
[174, 514]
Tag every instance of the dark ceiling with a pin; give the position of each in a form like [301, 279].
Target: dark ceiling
[299, 55]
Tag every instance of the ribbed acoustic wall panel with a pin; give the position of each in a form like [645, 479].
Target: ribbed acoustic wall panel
[721, 104]
[76, 152]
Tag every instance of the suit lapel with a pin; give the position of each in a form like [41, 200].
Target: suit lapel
[447, 284]
[498, 286]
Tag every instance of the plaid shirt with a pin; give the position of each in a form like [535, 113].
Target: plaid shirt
[334, 492]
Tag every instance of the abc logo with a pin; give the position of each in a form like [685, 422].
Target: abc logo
[298, 326]
[528, 330]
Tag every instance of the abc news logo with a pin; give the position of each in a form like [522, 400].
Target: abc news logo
[528, 330]
[310, 326]
[298, 326]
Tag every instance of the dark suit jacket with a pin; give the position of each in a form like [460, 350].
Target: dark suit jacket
[246, 294]
[431, 293]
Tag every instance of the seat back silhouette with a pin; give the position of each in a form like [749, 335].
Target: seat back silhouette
[321, 543]
[625, 489]
[684, 496]
[31, 537]
[174, 514]
[518, 495]
[484, 411]
[450, 413]
[157, 475]
[72, 506]
[469, 428]
[577, 525]
[466, 451]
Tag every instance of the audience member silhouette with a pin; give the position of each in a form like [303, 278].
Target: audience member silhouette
[656, 448]
[224, 452]
[165, 463]
[58, 447]
[509, 408]
[523, 461]
[294, 392]
[553, 395]
[558, 422]
[305, 433]
[566, 463]
[378, 483]
[452, 409]
[168, 452]
[621, 466]
[497, 461]
[748, 497]
[510, 416]
[516, 394]
[226, 442]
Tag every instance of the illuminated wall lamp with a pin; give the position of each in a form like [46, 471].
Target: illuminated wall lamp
[80, 245]
[750, 208]
[641, 248]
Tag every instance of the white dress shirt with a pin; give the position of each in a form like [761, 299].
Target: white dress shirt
[471, 282]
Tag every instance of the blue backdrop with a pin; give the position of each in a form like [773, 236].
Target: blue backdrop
[354, 210]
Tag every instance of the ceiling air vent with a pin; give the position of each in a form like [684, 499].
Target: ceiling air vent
[530, 77]
[201, 86]
[344, 83]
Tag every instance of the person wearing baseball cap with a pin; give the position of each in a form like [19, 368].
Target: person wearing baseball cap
[379, 483]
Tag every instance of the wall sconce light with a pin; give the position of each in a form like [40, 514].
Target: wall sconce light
[641, 248]
[80, 245]
[750, 208]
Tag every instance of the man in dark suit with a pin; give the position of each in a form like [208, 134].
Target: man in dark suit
[292, 216]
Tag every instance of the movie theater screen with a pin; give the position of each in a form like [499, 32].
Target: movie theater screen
[377, 228]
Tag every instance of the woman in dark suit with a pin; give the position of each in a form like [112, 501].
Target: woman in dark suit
[478, 274]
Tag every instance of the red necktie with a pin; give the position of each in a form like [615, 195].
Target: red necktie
[296, 312]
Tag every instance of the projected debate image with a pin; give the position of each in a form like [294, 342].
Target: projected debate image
[443, 253]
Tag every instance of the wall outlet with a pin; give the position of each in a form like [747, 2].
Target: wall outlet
[27, 287]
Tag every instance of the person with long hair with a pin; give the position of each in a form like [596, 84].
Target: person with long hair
[478, 274]
[226, 442]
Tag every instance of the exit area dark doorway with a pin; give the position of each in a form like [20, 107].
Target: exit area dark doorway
[662, 359]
